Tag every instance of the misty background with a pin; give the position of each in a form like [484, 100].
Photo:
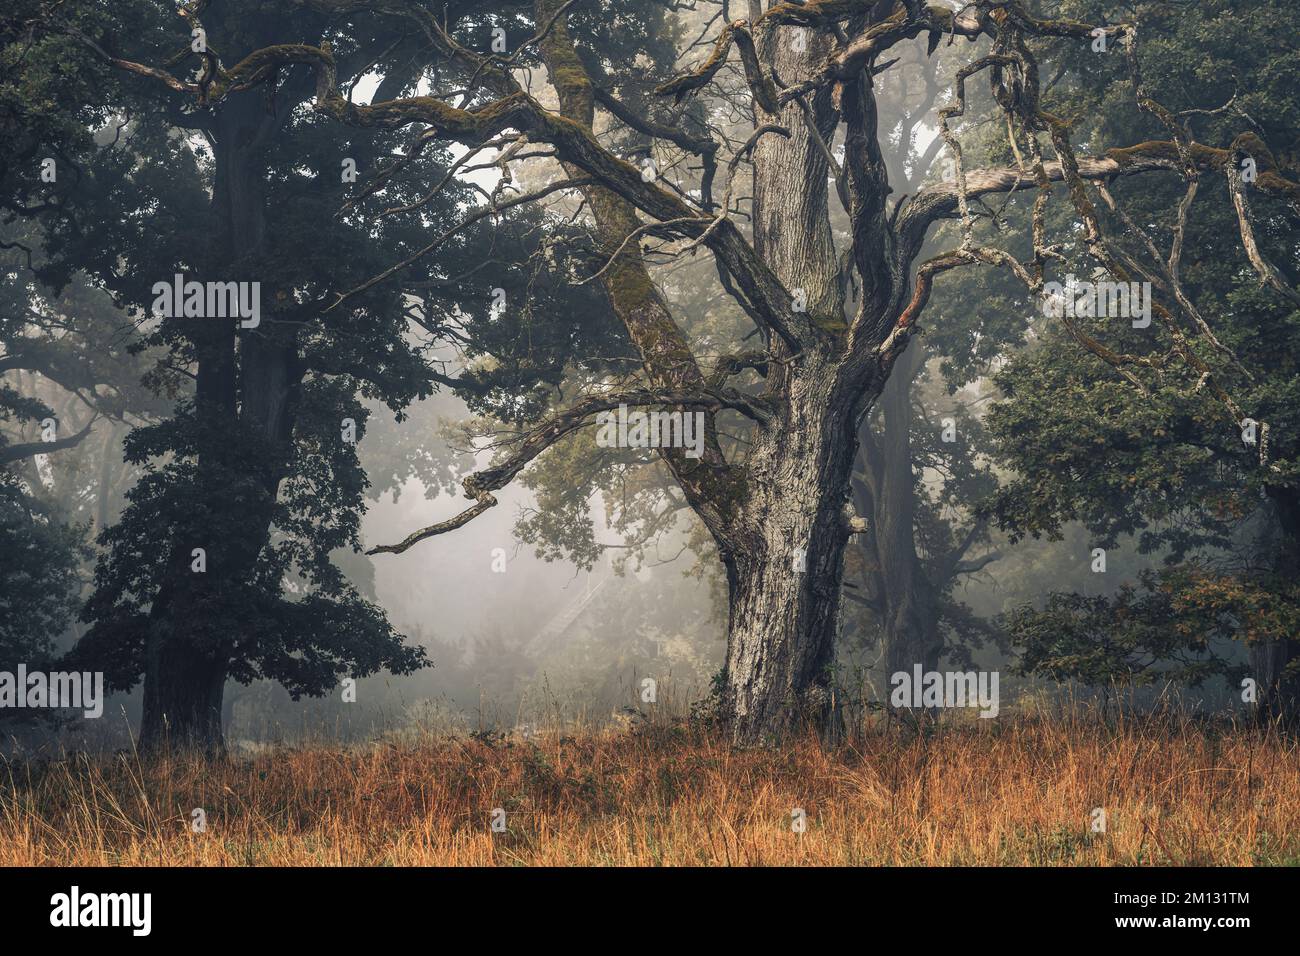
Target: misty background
[520, 640]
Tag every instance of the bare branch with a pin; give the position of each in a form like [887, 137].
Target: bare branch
[1268, 272]
[532, 443]
[12, 453]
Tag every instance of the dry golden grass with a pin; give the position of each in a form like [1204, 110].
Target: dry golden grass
[1018, 790]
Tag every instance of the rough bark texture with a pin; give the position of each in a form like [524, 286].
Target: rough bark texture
[784, 551]
[785, 560]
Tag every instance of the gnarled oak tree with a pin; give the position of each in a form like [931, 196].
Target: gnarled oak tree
[830, 323]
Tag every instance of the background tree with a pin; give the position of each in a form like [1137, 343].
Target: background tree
[923, 462]
[1164, 466]
[67, 388]
[254, 466]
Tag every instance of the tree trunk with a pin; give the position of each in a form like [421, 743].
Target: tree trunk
[104, 487]
[898, 590]
[784, 550]
[1278, 691]
[189, 646]
[785, 566]
[182, 699]
[780, 522]
[910, 616]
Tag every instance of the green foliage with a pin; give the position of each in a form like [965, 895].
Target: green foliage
[1130, 638]
[1168, 465]
[1175, 624]
[39, 576]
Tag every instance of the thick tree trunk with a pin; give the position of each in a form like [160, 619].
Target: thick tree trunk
[188, 647]
[785, 567]
[1278, 692]
[784, 550]
[780, 521]
[911, 634]
[182, 700]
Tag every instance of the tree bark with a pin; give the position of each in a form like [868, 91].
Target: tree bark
[783, 612]
[182, 693]
[784, 561]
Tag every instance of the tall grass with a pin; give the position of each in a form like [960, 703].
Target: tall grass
[1020, 790]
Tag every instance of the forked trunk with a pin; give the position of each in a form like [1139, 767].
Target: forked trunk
[784, 549]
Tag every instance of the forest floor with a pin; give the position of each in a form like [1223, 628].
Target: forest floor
[1017, 791]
